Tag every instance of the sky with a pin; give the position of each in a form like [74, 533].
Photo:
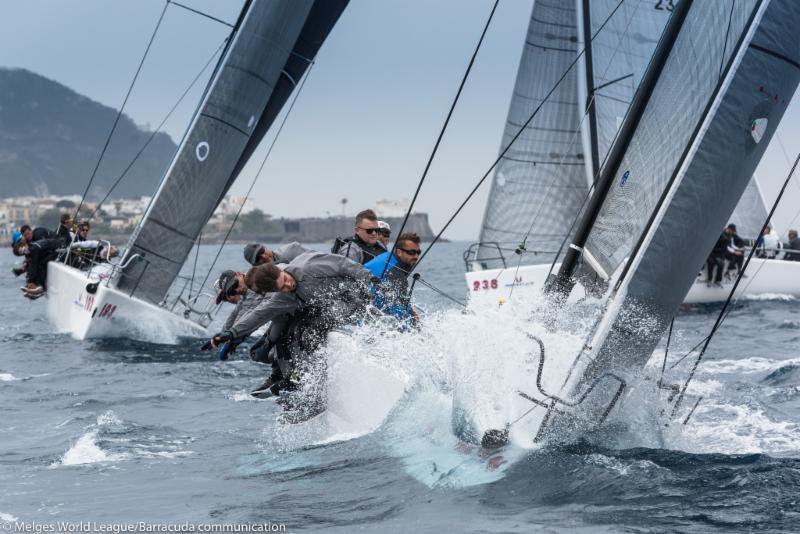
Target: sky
[369, 114]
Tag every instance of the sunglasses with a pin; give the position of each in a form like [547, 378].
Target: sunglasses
[385, 233]
[231, 291]
[370, 231]
[410, 251]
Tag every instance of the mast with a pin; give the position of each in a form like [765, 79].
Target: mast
[561, 285]
[590, 106]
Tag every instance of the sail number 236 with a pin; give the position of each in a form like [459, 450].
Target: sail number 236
[477, 285]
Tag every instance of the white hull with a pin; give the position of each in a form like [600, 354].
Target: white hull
[764, 278]
[108, 312]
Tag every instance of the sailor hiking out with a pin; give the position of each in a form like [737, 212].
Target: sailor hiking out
[313, 294]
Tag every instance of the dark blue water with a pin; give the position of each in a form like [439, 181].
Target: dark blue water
[117, 430]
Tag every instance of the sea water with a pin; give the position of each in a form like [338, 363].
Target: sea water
[119, 432]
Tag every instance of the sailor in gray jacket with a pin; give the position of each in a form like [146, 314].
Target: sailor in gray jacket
[258, 254]
[313, 279]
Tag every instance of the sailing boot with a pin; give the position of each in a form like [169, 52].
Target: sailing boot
[271, 386]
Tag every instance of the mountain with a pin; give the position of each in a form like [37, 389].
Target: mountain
[51, 137]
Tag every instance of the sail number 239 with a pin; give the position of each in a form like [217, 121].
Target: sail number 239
[477, 285]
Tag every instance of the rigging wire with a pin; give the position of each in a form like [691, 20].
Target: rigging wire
[258, 173]
[725, 47]
[202, 14]
[516, 136]
[439, 291]
[732, 292]
[121, 109]
[157, 130]
[441, 134]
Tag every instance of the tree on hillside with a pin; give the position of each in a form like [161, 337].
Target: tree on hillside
[50, 218]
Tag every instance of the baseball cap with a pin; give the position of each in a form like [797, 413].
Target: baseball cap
[225, 285]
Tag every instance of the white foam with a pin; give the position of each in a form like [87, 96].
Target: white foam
[734, 429]
[242, 396]
[108, 418]
[620, 467]
[7, 517]
[86, 451]
[7, 377]
[768, 296]
[747, 365]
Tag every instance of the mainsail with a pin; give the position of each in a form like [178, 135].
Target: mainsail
[542, 181]
[272, 46]
[697, 145]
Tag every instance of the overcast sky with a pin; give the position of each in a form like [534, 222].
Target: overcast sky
[368, 116]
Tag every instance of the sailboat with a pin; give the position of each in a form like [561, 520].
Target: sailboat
[687, 147]
[543, 181]
[270, 48]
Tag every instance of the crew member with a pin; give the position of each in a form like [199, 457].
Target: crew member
[768, 243]
[314, 293]
[392, 295]
[364, 244]
[792, 248]
[734, 252]
[716, 260]
[258, 254]
[384, 234]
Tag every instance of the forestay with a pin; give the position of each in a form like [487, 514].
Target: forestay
[271, 48]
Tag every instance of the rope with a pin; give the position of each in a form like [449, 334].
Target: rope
[158, 129]
[119, 113]
[258, 173]
[730, 295]
[439, 291]
[441, 134]
[206, 15]
[517, 135]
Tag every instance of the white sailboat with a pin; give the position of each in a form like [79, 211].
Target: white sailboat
[683, 156]
[270, 48]
[539, 188]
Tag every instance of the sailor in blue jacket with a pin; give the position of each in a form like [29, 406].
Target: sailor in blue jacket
[392, 295]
